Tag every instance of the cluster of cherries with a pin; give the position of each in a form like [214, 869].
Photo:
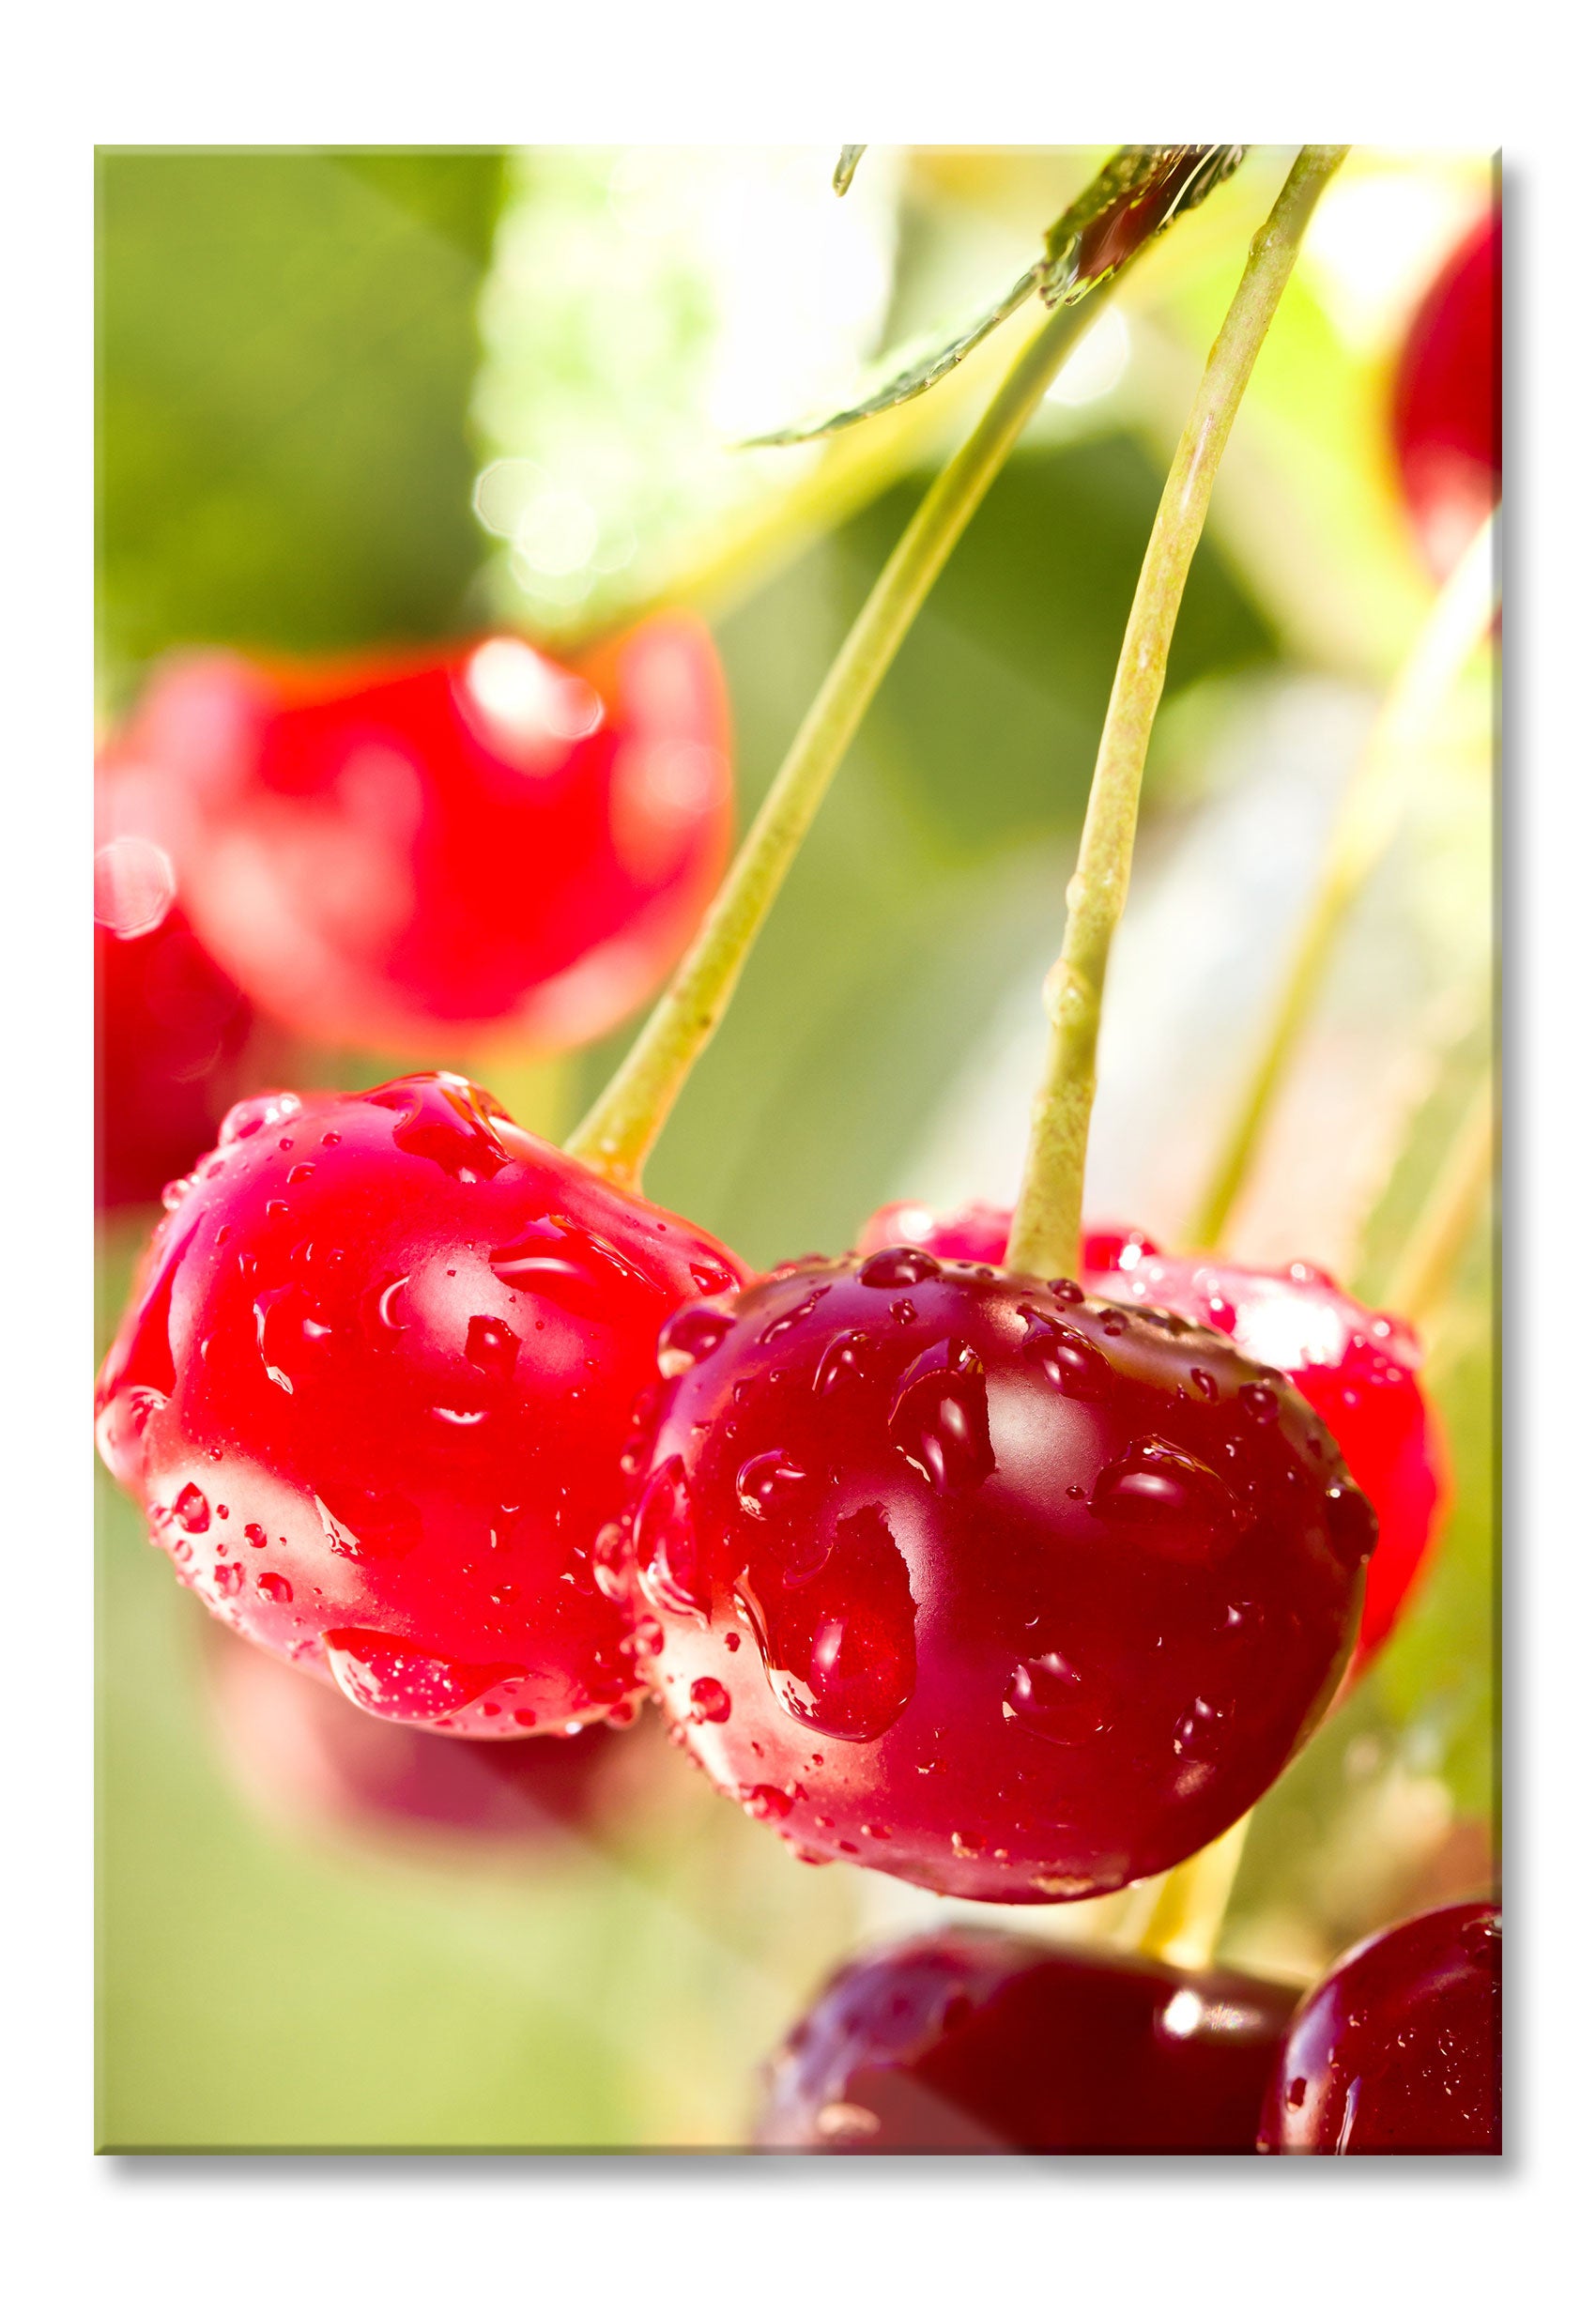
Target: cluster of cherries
[1018, 1591]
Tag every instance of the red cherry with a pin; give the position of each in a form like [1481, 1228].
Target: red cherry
[312, 1759]
[1357, 1368]
[1012, 1594]
[1447, 398]
[449, 850]
[373, 1390]
[1398, 2052]
[974, 2043]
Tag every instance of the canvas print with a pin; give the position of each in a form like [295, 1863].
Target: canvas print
[795, 1054]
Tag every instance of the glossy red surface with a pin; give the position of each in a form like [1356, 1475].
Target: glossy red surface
[973, 2042]
[448, 852]
[1357, 1368]
[315, 1761]
[1398, 2052]
[374, 1386]
[1447, 398]
[1012, 1594]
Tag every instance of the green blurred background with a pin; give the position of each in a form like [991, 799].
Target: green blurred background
[356, 397]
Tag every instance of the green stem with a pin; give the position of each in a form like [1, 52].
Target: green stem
[1186, 1920]
[1422, 1277]
[1365, 826]
[1045, 1238]
[618, 1132]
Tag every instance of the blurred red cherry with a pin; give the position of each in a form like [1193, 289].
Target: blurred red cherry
[309, 1758]
[1357, 1368]
[452, 850]
[1447, 398]
[971, 2041]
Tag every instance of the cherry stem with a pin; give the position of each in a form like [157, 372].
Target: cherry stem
[1367, 821]
[1044, 1237]
[1189, 1911]
[1419, 1284]
[618, 1132]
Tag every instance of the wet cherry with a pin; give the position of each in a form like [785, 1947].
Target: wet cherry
[968, 2041]
[449, 851]
[1013, 1594]
[373, 1388]
[1447, 398]
[1357, 1368]
[1398, 2052]
[315, 1761]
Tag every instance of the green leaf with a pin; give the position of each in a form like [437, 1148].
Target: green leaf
[851, 155]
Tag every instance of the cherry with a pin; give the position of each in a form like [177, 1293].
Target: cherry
[1398, 2052]
[172, 1034]
[1447, 398]
[971, 2041]
[374, 1387]
[312, 1759]
[1012, 1594]
[447, 851]
[1357, 1368]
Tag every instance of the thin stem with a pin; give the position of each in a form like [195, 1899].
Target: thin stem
[1045, 1238]
[1422, 1277]
[1365, 826]
[618, 1132]
[1186, 1920]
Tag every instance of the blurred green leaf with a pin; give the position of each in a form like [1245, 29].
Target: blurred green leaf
[286, 341]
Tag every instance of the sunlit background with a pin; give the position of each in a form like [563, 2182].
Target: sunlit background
[361, 399]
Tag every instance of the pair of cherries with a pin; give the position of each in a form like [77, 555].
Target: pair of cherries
[973, 2042]
[415, 853]
[1011, 1591]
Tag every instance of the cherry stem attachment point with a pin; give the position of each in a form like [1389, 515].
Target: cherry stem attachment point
[1419, 1284]
[1367, 820]
[1044, 1237]
[618, 1132]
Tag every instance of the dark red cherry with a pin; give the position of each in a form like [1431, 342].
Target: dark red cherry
[1013, 1594]
[976, 2043]
[1447, 398]
[315, 1762]
[1398, 2052]
[374, 1386]
[1357, 1368]
[449, 851]
[175, 1038]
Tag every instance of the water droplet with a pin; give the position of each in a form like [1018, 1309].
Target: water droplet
[966, 1848]
[648, 1638]
[256, 1535]
[837, 1643]
[1199, 1729]
[394, 1678]
[1261, 1400]
[938, 1417]
[1351, 1525]
[1170, 1503]
[1296, 2092]
[1065, 1290]
[275, 1590]
[612, 1546]
[765, 1802]
[229, 1580]
[770, 1484]
[667, 1546]
[173, 1194]
[492, 1347]
[1204, 1384]
[191, 1509]
[708, 1702]
[1113, 1323]
[448, 1121]
[842, 1361]
[731, 1641]
[691, 1336]
[360, 1524]
[905, 1313]
[897, 1265]
[460, 1417]
[1072, 1364]
[790, 1318]
[712, 1277]
[1051, 1699]
[330, 1142]
[302, 1171]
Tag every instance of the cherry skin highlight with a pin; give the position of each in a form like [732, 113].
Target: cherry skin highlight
[372, 1390]
[457, 850]
[1398, 2052]
[1012, 1594]
[1447, 398]
[1357, 1368]
[971, 2041]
